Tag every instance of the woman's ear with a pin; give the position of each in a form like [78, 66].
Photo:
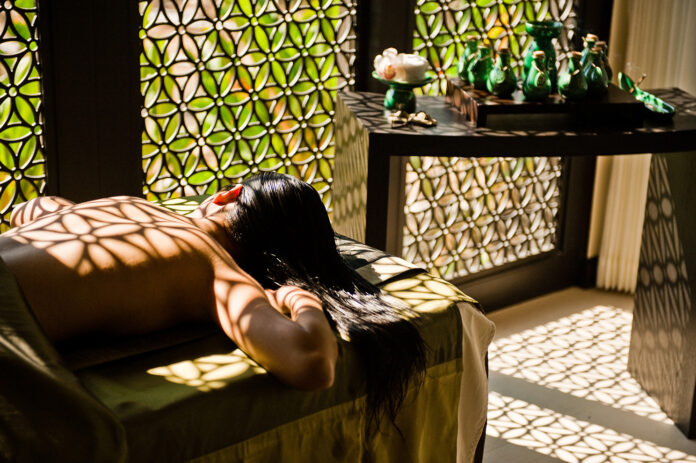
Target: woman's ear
[225, 197]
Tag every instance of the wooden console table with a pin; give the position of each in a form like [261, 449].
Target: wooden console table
[368, 205]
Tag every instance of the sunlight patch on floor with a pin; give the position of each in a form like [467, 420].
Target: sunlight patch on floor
[584, 354]
[569, 439]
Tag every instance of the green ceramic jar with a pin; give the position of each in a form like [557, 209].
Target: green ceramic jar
[543, 32]
[590, 41]
[480, 67]
[596, 76]
[605, 59]
[572, 84]
[502, 80]
[537, 84]
[469, 54]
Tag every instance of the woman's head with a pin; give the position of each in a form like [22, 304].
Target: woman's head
[279, 220]
[281, 234]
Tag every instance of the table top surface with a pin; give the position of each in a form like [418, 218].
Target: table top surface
[453, 135]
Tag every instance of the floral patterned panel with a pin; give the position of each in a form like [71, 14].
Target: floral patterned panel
[22, 164]
[232, 88]
[466, 215]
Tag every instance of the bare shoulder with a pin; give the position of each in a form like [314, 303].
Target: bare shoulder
[117, 230]
[36, 208]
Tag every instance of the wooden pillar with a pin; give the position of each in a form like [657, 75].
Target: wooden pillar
[91, 74]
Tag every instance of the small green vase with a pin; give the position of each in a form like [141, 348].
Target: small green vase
[596, 76]
[469, 54]
[502, 80]
[480, 67]
[572, 83]
[537, 85]
[590, 41]
[543, 32]
[605, 59]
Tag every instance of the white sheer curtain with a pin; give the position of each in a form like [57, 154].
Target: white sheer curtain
[656, 38]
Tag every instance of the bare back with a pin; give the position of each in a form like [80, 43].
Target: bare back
[125, 266]
[117, 265]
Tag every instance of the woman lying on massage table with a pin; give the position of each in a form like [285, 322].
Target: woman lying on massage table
[258, 258]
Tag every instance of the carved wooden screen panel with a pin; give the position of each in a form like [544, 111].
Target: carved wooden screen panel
[466, 215]
[232, 88]
[22, 165]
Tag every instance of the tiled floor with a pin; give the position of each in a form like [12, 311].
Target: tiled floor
[560, 392]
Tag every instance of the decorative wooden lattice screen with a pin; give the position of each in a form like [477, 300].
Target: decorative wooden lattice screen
[465, 215]
[231, 88]
[22, 166]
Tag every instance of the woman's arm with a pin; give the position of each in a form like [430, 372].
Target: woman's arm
[301, 350]
[37, 207]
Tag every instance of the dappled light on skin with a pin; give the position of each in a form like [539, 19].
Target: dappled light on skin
[99, 234]
[209, 372]
[181, 206]
[584, 355]
[569, 439]
[116, 254]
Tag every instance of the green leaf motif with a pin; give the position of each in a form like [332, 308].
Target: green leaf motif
[24, 66]
[15, 133]
[242, 84]
[25, 110]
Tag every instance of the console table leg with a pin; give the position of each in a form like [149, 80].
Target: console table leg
[377, 206]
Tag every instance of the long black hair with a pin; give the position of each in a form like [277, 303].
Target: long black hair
[284, 237]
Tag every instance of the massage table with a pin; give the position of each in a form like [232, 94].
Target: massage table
[189, 394]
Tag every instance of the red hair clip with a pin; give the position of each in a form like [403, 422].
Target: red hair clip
[225, 197]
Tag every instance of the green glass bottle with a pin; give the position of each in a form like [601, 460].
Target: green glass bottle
[502, 80]
[572, 83]
[605, 59]
[542, 33]
[480, 67]
[595, 74]
[469, 54]
[590, 42]
[537, 84]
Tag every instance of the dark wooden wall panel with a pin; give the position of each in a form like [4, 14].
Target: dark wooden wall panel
[90, 53]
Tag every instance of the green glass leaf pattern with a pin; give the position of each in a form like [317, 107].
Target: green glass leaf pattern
[22, 164]
[231, 88]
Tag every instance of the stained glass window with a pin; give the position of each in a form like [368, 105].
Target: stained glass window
[22, 165]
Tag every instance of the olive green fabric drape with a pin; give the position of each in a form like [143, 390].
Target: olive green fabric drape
[45, 414]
